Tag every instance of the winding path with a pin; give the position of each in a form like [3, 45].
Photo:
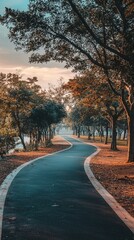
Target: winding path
[52, 199]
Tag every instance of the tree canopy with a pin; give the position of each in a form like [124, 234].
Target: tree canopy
[88, 30]
[25, 109]
[81, 34]
[95, 94]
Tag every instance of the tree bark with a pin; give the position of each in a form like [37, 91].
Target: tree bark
[129, 108]
[49, 135]
[78, 133]
[22, 141]
[101, 133]
[75, 130]
[114, 134]
[131, 137]
[93, 133]
[16, 117]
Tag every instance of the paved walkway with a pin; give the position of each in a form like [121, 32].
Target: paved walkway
[52, 199]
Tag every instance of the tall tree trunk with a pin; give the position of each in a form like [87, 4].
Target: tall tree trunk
[101, 133]
[50, 134]
[75, 130]
[30, 135]
[78, 133]
[131, 137]
[94, 133]
[16, 117]
[129, 108]
[22, 141]
[114, 134]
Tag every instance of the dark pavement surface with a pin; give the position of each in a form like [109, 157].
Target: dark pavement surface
[53, 199]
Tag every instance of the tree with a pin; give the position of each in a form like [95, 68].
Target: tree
[41, 120]
[7, 134]
[97, 95]
[25, 109]
[19, 96]
[82, 119]
[7, 131]
[81, 33]
[18, 99]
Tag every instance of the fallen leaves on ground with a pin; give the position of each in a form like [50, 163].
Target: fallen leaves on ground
[115, 174]
[12, 161]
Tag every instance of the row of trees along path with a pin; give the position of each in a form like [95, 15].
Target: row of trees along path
[95, 100]
[26, 109]
[83, 34]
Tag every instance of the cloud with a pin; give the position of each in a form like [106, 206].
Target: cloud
[45, 75]
[10, 58]
[18, 62]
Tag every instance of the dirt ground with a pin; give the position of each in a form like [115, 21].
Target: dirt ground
[115, 174]
[12, 161]
[110, 168]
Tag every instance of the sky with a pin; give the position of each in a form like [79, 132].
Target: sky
[18, 62]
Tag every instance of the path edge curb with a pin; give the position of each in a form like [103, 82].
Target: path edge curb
[117, 208]
[4, 187]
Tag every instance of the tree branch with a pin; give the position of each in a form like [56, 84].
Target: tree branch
[120, 112]
[110, 83]
[112, 50]
[61, 36]
[124, 102]
[121, 11]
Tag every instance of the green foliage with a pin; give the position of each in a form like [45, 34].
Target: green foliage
[26, 110]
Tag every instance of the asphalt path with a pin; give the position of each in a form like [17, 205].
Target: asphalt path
[52, 199]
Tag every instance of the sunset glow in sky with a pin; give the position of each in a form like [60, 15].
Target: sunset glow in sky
[17, 61]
